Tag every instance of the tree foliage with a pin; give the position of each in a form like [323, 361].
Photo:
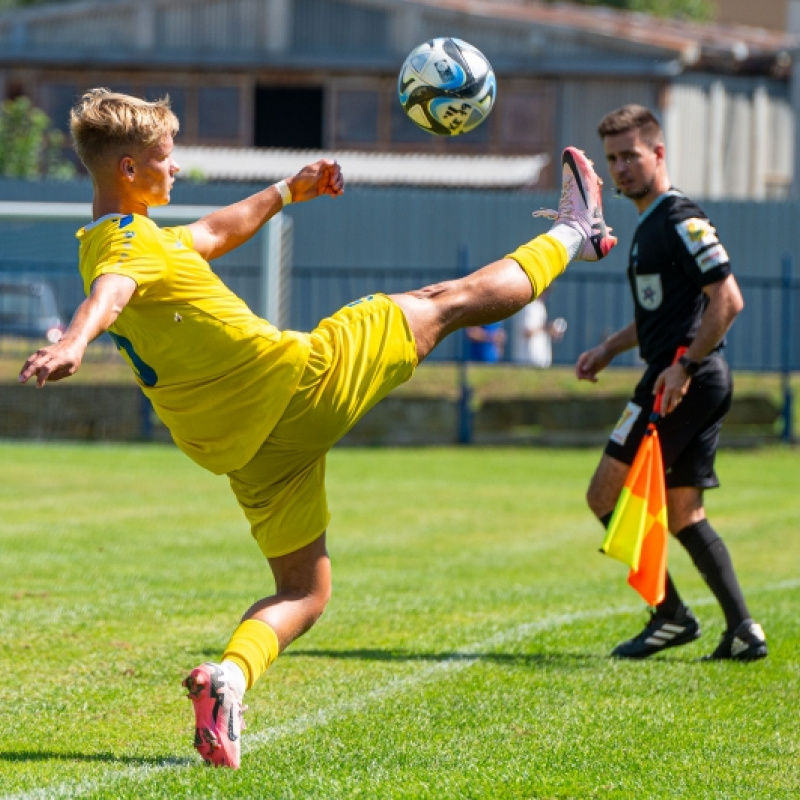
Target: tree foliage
[698, 10]
[701, 10]
[21, 3]
[29, 146]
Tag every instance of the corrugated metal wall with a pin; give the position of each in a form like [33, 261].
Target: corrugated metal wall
[584, 102]
[730, 137]
[325, 27]
[727, 136]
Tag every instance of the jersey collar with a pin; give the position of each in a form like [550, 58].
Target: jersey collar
[657, 202]
[101, 220]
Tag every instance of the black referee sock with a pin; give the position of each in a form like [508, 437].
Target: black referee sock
[713, 561]
[672, 605]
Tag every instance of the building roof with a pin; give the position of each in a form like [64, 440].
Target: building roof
[696, 44]
[208, 34]
[372, 169]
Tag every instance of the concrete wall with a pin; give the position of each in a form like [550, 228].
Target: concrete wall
[119, 413]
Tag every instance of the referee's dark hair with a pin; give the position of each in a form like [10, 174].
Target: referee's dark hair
[632, 117]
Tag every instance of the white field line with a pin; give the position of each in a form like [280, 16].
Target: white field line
[459, 660]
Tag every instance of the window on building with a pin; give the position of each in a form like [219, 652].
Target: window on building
[526, 119]
[218, 113]
[57, 100]
[177, 98]
[14, 89]
[357, 117]
[404, 131]
[289, 117]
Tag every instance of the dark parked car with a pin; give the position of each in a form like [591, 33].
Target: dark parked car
[28, 308]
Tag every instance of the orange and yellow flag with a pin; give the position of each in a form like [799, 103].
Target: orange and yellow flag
[637, 532]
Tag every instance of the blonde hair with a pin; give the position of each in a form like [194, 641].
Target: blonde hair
[106, 124]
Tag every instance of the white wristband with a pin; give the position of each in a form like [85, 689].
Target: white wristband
[285, 192]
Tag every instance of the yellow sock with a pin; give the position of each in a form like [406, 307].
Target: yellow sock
[543, 259]
[253, 647]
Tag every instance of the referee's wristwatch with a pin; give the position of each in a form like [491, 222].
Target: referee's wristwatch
[689, 367]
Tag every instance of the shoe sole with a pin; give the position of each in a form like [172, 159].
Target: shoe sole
[206, 741]
[751, 655]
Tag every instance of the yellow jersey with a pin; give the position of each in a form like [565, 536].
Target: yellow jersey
[218, 376]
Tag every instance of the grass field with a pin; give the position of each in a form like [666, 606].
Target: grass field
[464, 653]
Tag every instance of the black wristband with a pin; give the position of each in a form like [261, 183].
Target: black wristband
[689, 367]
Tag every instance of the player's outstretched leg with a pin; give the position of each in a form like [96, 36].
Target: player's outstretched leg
[218, 710]
[501, 288]
[581, 208]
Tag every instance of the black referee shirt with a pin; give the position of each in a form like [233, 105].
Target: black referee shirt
[675, 253]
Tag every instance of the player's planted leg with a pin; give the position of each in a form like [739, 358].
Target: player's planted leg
[302, 590]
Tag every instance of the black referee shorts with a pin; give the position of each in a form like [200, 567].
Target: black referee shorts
[689, 435]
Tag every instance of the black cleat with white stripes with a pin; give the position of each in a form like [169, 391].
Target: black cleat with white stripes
[659, 634]
[746, 643]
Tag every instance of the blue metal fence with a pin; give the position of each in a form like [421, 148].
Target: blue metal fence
[594, 304]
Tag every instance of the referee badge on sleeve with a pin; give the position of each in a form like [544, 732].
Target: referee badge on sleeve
[649, 292]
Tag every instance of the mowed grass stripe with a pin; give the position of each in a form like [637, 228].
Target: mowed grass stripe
[431, 549]
[258, 740]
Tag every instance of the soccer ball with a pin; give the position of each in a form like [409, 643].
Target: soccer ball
[446, 86]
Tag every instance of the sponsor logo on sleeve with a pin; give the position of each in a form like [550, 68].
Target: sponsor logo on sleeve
[623, 427]
[697, 234]
[713, 257]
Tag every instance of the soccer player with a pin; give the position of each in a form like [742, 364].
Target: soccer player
[244, 399]
[684, 296]
[486, 342]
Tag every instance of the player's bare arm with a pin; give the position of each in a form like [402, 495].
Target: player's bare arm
[592, 361]
[95, 315]
[224, 230]
[725, 303]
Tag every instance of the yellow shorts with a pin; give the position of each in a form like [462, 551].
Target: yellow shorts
[357, 357]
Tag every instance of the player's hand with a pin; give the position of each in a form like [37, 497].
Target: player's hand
[53, 363]
[675, 384]
[321, 177]
[591, 362]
